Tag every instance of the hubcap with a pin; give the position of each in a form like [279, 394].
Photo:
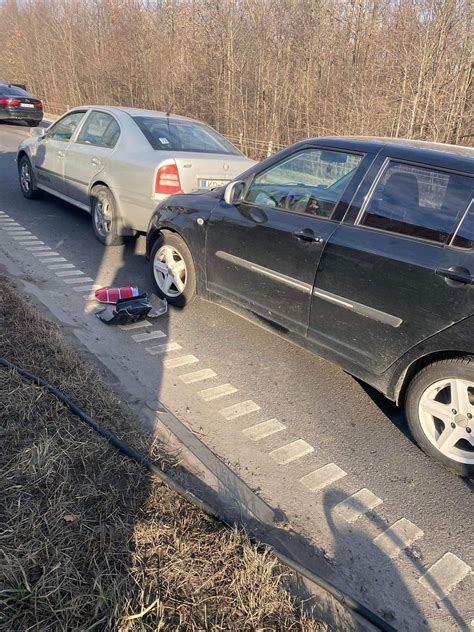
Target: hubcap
[25, 177]
[446, 411]
[103, 215]
[170, 271]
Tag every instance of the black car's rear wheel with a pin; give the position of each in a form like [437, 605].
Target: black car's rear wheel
[440, 411]
[172, 269]
[27, 179]
[33, 123]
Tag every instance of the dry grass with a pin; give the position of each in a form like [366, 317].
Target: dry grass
[88, 540]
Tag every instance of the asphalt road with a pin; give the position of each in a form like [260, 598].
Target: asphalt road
[336, 420]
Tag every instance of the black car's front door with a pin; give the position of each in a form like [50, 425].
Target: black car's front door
[388, 282]
[264, 253]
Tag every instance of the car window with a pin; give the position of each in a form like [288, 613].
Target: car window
[13, 91]
[464, 237]
[310, 181]
[418, 202]
[170, 134]
[65, 128]
[100, 129]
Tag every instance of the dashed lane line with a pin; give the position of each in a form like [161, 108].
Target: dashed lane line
[164, 348]
[30, 247]
[263, 429]
[239, 410]
[61, 266]
[46, 254]
[84, 288]
[39, 248]
[323, 477]
[291, 452]
[174, 363]
[138, 325]
[399, 536]
[357, 505]
[54, 260]
[216, 392]
[25, 237]
[149, 336]
[197, 376]
[81, 280]
[445, 574]
[65, 273]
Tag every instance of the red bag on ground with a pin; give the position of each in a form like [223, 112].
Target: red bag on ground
[112, 294]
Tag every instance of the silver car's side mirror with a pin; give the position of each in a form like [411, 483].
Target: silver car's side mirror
[38, 132]
[234, 192]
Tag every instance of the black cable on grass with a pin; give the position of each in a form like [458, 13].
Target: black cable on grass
[343, 598]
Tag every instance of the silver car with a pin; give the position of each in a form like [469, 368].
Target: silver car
[118, 163]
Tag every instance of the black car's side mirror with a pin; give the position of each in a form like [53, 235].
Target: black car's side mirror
[234, 192]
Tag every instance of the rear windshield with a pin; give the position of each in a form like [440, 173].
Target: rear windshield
[13, 91]
[172, 135]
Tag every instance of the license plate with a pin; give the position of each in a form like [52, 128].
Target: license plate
[204, 183]
[27, 105]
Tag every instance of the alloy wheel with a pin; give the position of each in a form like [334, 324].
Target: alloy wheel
[25, 176]
[103, 215]
[170, 271]
[445, 411]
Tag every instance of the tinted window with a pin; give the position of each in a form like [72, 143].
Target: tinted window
[418, 202]
[174, 135]
[465, 236]
[310, 181]
[65, 128]
[13, 91]
[100, 129]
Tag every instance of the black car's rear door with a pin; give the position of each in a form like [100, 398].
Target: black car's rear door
[394, 277]
[264, 253]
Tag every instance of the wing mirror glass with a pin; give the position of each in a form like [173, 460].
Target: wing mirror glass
[234, 192]
[37, 132]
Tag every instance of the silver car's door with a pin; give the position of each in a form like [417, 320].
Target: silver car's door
[51, 151]
[89, 154]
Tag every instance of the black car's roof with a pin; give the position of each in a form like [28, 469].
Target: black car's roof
[441, 155]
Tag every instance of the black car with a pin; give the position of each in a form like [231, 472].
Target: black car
[16, 104]
[360, 249]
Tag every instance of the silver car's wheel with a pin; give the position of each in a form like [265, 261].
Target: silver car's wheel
[446, 417]
[103, 217]
[170, 271]
[25, 177]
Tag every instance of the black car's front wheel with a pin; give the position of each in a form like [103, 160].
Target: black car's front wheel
[440, 411]
[27, 178]
[172, 269]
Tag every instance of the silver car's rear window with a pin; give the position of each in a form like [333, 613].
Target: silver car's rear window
[174, 135]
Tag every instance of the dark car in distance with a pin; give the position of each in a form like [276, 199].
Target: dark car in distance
[359, 249]
[16, 104]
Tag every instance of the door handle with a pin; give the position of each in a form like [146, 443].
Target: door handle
[456, 273]
[60, 154]
[306, 234]
[96, 162]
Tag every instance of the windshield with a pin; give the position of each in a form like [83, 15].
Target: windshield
[13, 91]
[174, 135]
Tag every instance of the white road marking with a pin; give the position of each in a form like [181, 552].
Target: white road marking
[149, 336]
[138, 325]
[19, 233]
[84, 288]
[264, 429]
[355, 506]
[15, 227]
[46, 254]
[197, 376]
[164, 348]
[209, 394]
[444, 575]
[65, 273]
[39, 248]
[54, 260]
[323, 477]
[61, 266]
[240, 409]
[292, 451]
[25, 237]
[34, 247]
[174, 363]
[81, 280]
[399, 536]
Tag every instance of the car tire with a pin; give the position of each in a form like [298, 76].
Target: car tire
[439, 407]
[178, 287]
[105, 217]
[27, 179]
[33, 123]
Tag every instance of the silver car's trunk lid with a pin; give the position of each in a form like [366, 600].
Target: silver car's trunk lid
[208, 171]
